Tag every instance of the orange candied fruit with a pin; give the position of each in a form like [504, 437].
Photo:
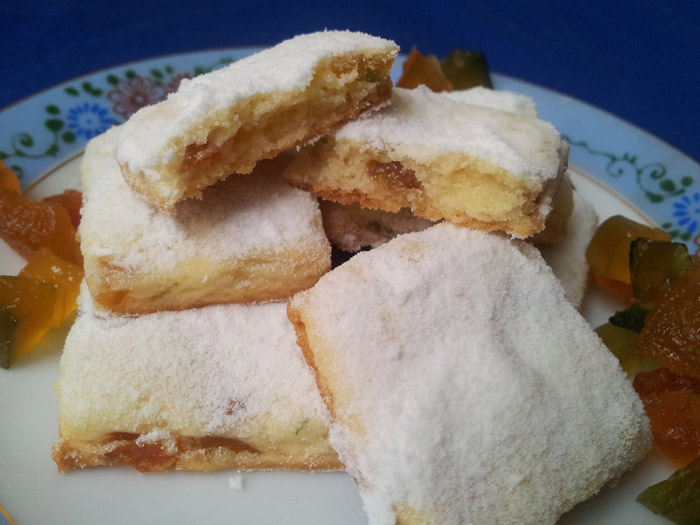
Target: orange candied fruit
[423, 70]
[65, 276]
[608, 253]
[32, 304]
[27, 226]
[72, 201]
[672, 403]
[671, 333]
[8, 179]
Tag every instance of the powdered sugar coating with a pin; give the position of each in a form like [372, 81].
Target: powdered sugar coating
[464, 384]
[422, 124]
[234, 217]
[147, 138]
[500, 100]
[227, 370]
[568, 258]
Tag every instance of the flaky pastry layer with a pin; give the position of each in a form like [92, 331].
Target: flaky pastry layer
[259, 119]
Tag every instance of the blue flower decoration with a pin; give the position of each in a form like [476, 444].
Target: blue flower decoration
[687, 212]
[89, 120]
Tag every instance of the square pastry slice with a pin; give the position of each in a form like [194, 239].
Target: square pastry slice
[462, 385]
[224, 122]
[470, 165]
[251, 238]
[211, 388]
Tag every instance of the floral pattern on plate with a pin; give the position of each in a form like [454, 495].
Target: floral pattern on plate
[43, 131]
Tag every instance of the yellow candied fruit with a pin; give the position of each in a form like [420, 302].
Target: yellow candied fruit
[608, 253]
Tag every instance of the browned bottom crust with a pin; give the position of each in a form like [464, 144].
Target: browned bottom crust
[183, 453]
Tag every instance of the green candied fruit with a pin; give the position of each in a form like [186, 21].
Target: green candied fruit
[677, 498]
[466, 69]
[8, 327]
[654, 265]
[622, 342]
[373, 76]
[632, 318]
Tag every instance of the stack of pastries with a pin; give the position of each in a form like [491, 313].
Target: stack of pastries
[447, 370]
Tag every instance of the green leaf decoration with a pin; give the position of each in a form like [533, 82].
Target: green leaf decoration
[674, 233]
[686, 236]
[18, 170]
[3, 155]
[54, 124]
[666, 225]
[156, 73]
[654, 197]
[90, 89]
[686, 181]
[130, 74]
[68, 137]
[53, 150]
[113, 79]
[26, 140]
[668, 185]
[169, 69]
[72, 91]
[52, 110]
[632, 318]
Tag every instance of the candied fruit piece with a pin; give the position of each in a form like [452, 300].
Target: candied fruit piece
[631, 318]
[671, 333]
[466, 69]
[663, 380]
[33, 304]
[608, 253]
[622, 342]
[27, 226]
[72, 201]
[8, 179]
[47, 267]
[672, 404]
[8, 327]
[675, 424]
[393, 174]
[654, 265]
[618, 289]
[678, 497]
[423, 70]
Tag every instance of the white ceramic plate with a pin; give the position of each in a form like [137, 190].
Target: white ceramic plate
[618, 168]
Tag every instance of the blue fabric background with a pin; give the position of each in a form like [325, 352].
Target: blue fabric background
[637, 59]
